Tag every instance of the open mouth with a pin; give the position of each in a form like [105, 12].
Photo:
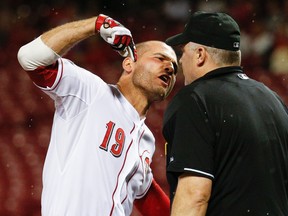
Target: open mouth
[165, 78]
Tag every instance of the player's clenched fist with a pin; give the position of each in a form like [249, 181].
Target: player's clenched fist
[119, 37]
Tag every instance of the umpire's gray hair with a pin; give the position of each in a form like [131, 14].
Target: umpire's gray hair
[222, 57]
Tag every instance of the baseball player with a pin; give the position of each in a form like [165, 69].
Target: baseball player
[99, 156]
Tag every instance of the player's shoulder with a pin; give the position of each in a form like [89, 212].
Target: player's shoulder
[71, 69]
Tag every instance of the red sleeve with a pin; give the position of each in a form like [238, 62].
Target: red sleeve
[155, 202]
[44, 76]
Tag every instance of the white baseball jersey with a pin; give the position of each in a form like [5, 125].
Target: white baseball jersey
[100, 150]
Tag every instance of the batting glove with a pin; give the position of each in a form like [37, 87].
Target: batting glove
[119, 37]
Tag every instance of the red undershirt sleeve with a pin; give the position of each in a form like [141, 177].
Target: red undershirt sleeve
[155, 202]
[44, 76]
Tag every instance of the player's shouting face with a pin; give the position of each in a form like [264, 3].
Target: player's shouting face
[154, 73]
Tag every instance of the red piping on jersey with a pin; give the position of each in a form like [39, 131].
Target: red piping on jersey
[129, 181]
[118, 177]
[141, 136]
[132, 128]
[62, 66]
[140, 195]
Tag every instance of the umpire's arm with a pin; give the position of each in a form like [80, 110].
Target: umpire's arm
[192, 196]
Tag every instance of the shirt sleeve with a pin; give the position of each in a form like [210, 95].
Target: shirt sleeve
[70, 86]
[191, 149]
[73, 89]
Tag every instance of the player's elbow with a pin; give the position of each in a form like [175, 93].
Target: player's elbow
[23, 58]
[36, 54]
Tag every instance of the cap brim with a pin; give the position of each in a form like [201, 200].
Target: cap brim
[176, 40]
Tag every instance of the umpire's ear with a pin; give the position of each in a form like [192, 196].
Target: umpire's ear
[127, 64]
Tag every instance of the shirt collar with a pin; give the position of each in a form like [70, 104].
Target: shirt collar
[221, 71]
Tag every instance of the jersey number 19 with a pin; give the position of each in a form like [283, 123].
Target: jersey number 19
[117, 146]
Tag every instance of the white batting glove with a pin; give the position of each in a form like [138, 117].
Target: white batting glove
[119, 37]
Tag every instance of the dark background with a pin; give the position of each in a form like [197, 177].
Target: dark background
[26, 113]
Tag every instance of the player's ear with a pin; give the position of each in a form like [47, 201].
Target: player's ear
[127, 64]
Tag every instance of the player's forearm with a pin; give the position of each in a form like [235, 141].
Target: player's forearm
[46, 49]
[64, 37]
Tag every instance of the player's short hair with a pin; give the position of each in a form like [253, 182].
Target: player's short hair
[142, 47]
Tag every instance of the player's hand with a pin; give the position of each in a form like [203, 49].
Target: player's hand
[119, 37]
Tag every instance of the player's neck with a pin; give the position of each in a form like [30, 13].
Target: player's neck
[136, 99]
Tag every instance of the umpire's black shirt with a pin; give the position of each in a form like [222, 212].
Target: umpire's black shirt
[233, 130]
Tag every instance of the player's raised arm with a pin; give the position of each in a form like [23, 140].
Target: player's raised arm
[62, 38]
[49, 46]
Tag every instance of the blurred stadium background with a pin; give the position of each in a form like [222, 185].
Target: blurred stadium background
[26, 113]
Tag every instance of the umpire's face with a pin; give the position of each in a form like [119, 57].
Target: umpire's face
[192, 61]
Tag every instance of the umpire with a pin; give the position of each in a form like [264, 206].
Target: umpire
[227, 134]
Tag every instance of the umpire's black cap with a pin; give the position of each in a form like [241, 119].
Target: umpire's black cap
[217, 30]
